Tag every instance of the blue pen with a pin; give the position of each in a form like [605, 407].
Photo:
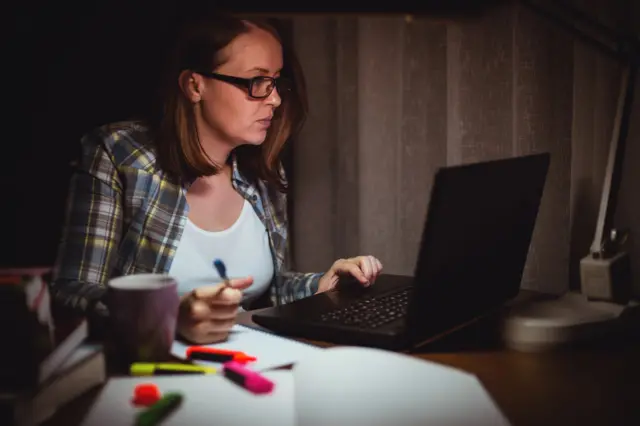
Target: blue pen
[222, 271]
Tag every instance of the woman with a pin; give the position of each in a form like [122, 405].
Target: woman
[199, 180]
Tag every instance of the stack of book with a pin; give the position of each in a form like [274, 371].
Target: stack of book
[39, 374]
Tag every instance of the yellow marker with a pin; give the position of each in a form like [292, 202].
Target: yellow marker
[149, 369]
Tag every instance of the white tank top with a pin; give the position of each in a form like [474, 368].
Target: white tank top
[243, 247]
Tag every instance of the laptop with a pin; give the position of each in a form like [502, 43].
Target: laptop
[472, 254]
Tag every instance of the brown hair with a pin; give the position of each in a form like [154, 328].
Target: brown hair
[172, 121]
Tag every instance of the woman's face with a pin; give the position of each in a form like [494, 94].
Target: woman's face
[226, 111]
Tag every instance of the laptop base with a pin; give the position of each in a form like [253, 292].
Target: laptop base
[300, 318]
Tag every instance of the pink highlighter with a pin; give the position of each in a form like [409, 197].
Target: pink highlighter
[250, 380]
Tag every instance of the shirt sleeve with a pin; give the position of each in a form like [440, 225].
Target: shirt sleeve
[92, 230]
[295, 285]
[290, 285]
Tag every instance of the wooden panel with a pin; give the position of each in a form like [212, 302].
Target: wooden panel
[480, 88]
[629, 202]
[314, 154]
[543, 93]
[583, 204]
[380, 116]
[628, 212]
[454, 95]
[346, 185]
[424, 130]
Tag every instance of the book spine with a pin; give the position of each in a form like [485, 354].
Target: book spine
[24, 300]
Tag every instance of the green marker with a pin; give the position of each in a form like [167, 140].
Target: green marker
[158, 411]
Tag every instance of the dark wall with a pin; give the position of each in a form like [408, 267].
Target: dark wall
[69, 69]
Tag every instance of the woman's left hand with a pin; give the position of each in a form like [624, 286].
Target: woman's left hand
[365, 269]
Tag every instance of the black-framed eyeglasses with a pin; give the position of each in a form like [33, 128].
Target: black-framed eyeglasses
[258, 87]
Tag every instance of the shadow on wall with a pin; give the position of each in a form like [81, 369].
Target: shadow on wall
[85, 66]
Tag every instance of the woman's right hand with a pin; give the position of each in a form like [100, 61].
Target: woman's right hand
[207, 313]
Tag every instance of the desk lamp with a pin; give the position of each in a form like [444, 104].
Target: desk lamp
[604, 298]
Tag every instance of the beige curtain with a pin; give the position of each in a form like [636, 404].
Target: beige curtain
[394, 98]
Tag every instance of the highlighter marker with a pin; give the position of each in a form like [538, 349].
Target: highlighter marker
[149, 369]
[250, 380]
[204, 353]
[158, 411]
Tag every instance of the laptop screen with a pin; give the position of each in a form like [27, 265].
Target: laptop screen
[476, 240]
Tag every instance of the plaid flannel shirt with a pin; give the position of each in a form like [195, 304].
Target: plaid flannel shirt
[125, 216]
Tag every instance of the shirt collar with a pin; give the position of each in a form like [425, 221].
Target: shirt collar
[236, 176]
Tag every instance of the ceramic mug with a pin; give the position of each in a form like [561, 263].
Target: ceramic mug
[143, 313]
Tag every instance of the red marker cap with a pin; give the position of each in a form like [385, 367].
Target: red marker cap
[146, 394]
[244, 358]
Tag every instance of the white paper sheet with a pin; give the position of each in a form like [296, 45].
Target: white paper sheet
[207, 400]
[271, 350]
[380, 388]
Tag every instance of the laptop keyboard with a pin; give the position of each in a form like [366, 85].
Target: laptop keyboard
[371, 312]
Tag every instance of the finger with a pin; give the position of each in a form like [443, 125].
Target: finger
[221, 326]
[227, 297]
[214, 309]
[208, 291]
[346, 267]
[373, 267]
[207, 332]
[210, 329]
[204, 328]
[216, 338]
[222, 312]
[199, 310]
[207, 339]
[217, 291]
[379, 265]
[241, 283]
[216, 329]
[365, 266]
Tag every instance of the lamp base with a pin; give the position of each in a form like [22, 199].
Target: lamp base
[549, 324]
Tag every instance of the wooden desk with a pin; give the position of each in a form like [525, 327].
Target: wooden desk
[582, 386]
